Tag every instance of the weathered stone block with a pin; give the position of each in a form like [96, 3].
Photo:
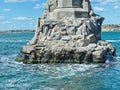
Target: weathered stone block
[28, 49]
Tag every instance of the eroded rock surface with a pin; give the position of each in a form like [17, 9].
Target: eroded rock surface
[68, 32]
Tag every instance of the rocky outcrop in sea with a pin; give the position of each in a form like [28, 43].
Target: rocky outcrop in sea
[68, 32]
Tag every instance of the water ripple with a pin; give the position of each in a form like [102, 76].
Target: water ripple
[19, 76]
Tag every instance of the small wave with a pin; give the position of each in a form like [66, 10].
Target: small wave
[9, 59]
[113, 40]
[61, 71]
[14, 41]
[117, 58]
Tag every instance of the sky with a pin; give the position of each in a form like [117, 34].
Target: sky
[22, 14]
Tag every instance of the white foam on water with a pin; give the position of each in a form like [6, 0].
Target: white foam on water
[4, 58]
[117, 58]
[113, 40]
[7, 41]
[9, 60]
[63, 70]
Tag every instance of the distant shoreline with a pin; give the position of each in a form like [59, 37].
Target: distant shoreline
[110, 28]
[15, 31]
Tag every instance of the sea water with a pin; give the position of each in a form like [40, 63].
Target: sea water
[19, 76]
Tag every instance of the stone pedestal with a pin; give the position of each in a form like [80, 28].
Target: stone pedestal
[68, 32]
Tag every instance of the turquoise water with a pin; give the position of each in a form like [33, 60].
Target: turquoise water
[18, 76]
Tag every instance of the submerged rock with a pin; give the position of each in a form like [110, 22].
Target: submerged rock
[68, 32]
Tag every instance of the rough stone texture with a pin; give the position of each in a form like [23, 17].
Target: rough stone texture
[68, 32]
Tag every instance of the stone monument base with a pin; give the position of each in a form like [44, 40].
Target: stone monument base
[68, 32]
[61, 53]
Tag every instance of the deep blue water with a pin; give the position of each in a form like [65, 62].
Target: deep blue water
[18, 76]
